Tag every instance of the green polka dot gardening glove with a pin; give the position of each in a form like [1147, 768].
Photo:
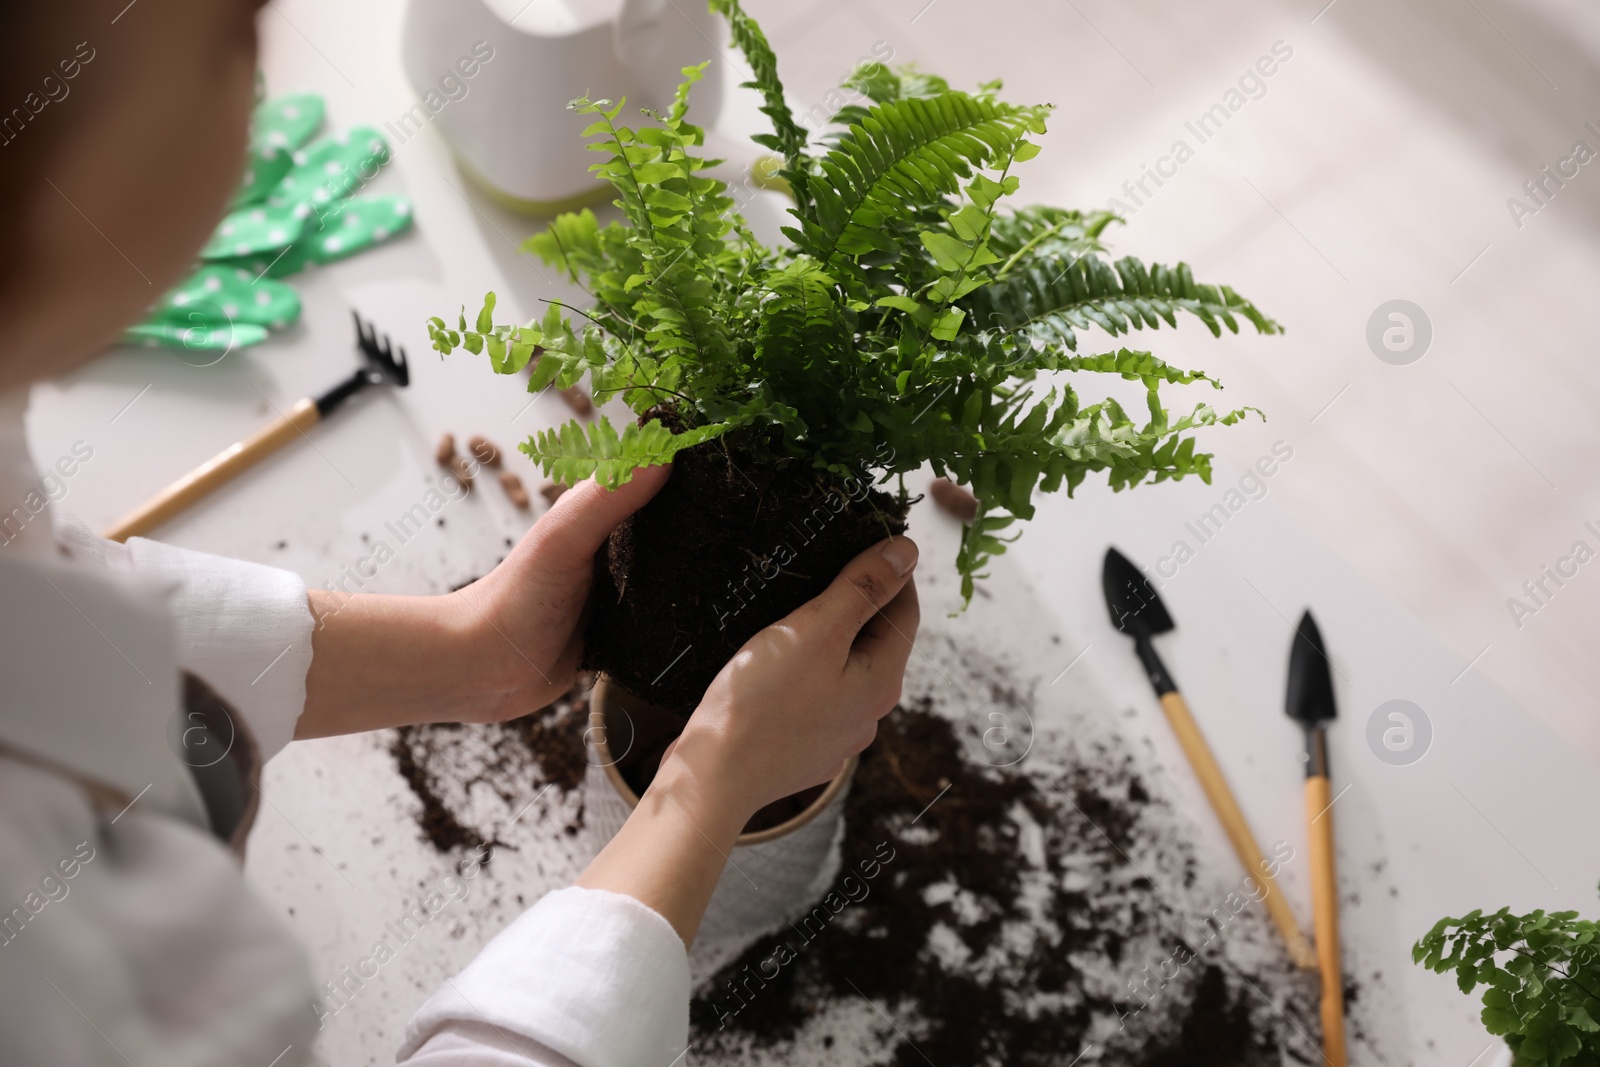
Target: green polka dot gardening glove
[295, 208]
[218, 305]
[278, 127]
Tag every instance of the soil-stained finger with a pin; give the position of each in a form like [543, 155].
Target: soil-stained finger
[884, 644]
[867, 583]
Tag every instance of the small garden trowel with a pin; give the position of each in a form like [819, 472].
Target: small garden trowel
[1310, 703]
[1139, 613]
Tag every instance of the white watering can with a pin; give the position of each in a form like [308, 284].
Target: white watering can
[507, 120]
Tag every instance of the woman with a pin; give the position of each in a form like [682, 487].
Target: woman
[127, 934]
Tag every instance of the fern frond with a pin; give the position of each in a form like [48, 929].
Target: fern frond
[802, 338]
[684, 319]
[1131, 365]
[680, 98]
[622, 170]
[787, 137]
[1051, 301]
[1102, 437]
[510, 348]
[881, 84]
[980, 542]
[1048, 234]
[802, 331]
[572, 452]
[682, 219]
[601, 259]
[902, 158]
[570, 243]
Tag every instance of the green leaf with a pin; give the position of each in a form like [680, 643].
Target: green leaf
[900, 303]
[947, 325]
[949, 253]
[1500, 1022]
[969, 223]
[573, 452]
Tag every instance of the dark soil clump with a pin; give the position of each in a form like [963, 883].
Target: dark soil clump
[727, 547]
[1216, 1031]
[438, 824]
[444, 762]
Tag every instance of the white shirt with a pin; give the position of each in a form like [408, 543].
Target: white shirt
[131, 937]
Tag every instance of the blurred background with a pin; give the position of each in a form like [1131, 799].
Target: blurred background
[1427, 160]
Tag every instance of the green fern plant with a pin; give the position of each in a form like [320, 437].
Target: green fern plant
[915, 318]
[1541, 979]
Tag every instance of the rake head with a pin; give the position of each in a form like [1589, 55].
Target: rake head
[382, 362]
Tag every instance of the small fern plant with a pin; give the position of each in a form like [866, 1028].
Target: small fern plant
[912, 318]
[1540, 975]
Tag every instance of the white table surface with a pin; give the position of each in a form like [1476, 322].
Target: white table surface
[1419, 498]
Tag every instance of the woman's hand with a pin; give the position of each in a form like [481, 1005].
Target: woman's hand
[503, 646]
[806, 693]
[528, 610]
[798, 700]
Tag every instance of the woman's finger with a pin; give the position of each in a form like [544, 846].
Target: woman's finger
[893, 629]
[881, 650]
[579, 522]
[867, 583]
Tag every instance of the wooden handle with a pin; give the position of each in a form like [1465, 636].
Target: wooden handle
[215, 472]
[1325, 915]
[1233, 822]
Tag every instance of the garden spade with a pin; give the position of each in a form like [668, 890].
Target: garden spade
[381, 364]
[1310, 703]
[1139, 613]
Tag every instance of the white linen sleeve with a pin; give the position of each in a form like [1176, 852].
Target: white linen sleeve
[585, 977]
[243, 628]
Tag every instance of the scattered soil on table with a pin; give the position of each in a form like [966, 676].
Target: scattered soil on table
[995, 916]
[726, 548]
[1048, 911]
[437, 823]
[448, 766]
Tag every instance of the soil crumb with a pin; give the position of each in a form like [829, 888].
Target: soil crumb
[467, 775]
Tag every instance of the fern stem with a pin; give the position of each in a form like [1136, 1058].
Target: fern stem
[633, 176]
[1005, 267]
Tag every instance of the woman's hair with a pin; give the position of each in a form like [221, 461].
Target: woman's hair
[41, 44]
[84, 81]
